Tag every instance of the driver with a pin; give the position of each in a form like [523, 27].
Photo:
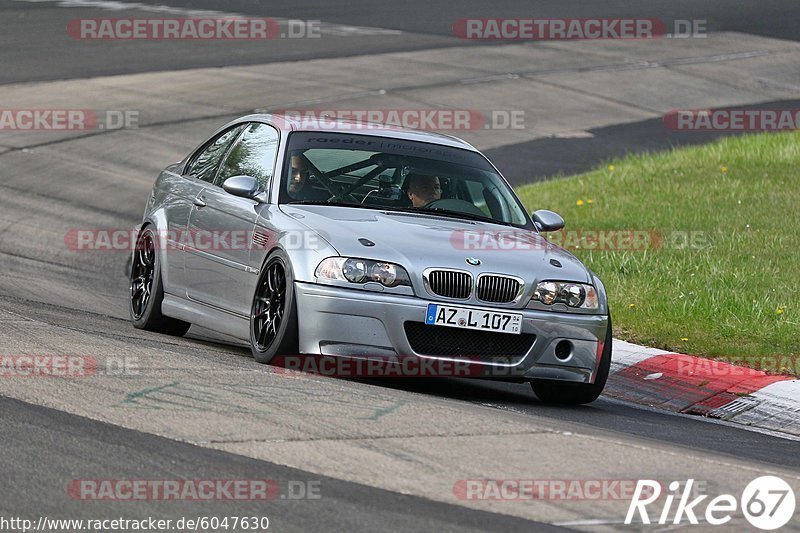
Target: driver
[300, 187]
[423, 189]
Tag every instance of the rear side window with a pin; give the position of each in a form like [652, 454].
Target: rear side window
[253, 155]
[205, 163]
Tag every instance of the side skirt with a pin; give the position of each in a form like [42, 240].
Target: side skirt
[206, 316]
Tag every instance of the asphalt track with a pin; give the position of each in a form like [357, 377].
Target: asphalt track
[36, 47]
[36, 432]
[386, 454]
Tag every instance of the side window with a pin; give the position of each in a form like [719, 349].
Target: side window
[253, 155]
[204, 165]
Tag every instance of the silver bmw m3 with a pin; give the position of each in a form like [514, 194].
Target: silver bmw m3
[367, 242]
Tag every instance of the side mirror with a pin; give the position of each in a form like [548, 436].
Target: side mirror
[244, 187]
[546, 221]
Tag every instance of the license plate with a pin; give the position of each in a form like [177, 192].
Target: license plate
[479, 319]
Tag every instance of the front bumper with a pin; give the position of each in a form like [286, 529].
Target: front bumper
[365, 324]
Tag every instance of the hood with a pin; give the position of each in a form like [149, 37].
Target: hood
[420, 241]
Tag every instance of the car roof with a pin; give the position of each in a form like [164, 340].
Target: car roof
[339, 125]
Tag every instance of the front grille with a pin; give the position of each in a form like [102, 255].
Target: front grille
[498, 289]
[483, 346]
[450, 284]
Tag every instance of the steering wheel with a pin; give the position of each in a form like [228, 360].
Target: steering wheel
[455, 205]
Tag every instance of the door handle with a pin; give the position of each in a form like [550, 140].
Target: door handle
[199, 202]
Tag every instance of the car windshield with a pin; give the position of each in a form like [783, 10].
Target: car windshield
[377, 172]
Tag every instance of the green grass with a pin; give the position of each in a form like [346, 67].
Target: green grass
[736, 292]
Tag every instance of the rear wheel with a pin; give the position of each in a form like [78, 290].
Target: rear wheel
[147, 289]
[273, 318]
[566, 393]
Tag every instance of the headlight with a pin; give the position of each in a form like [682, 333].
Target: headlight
[546, 292]
[385, 273]
[577, 295]
[574, 295]
[355, 270]
[363, 270]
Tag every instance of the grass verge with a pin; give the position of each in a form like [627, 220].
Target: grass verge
[714, 265]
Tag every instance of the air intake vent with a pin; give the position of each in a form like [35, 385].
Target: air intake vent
[261, 239]
[467, 344]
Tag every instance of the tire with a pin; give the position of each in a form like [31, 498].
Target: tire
[566, 393]
[147, 289]
[273, 314]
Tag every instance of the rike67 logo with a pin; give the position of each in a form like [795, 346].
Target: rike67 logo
[767, 502]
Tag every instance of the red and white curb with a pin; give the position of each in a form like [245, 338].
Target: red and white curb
[699, 386]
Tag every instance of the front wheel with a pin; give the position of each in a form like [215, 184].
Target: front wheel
[565, 393]
[273, 316]
[147, 289]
